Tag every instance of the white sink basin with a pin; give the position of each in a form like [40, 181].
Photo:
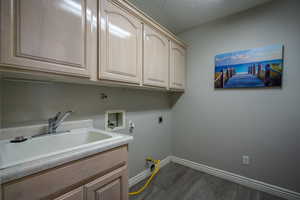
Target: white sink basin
[12, 154]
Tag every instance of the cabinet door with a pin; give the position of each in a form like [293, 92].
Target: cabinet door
[57, 36]
[156, 58]
[76, 194]
[121, 44]
[112, 186]
[177, 66]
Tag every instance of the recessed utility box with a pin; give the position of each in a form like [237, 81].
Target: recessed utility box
[114, 120]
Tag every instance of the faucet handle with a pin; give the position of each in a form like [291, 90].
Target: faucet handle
[56, 116]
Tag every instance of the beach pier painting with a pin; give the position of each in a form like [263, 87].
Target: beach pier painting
[260, 67]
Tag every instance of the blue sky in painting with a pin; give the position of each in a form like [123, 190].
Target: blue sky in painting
[273, 52]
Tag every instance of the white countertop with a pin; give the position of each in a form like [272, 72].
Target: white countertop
[31, 165]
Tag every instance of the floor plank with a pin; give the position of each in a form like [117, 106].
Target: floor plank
[177, 182]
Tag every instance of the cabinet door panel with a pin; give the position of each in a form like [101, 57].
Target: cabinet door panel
[51, 36]
[121, 42]
[49, 40]
[76, 194]
[111, 191]
[177, 67]
[156, 58]
[112, 186]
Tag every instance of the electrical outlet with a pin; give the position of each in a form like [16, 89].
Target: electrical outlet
[131, 126]
[246, 160]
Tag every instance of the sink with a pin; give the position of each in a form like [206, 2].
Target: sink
[12, 154]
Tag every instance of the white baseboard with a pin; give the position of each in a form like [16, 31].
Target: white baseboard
[146, 173]
[251, 183]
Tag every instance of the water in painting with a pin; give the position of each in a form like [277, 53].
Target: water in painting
[260, 67]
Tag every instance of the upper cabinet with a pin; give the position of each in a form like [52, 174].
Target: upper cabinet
[104, 41]
[177, 66]
[57, 36]
[120, 44]
[156, 58]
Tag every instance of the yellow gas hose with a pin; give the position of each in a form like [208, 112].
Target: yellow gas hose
[156, 170]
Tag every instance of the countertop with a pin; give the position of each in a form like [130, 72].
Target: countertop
[41, 164]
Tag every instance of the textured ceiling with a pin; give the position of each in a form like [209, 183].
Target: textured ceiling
[180, 15]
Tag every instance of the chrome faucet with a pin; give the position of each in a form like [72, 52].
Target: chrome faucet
[55, 122]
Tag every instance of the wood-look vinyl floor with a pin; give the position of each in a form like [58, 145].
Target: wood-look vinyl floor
[177, 182]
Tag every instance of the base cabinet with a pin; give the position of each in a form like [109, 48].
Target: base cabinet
[103, 176]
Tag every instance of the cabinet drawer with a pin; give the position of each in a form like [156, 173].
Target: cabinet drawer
[47, 184]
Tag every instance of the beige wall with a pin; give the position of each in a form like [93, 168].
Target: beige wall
[27, 103]
[1, 92]
[217, 127]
